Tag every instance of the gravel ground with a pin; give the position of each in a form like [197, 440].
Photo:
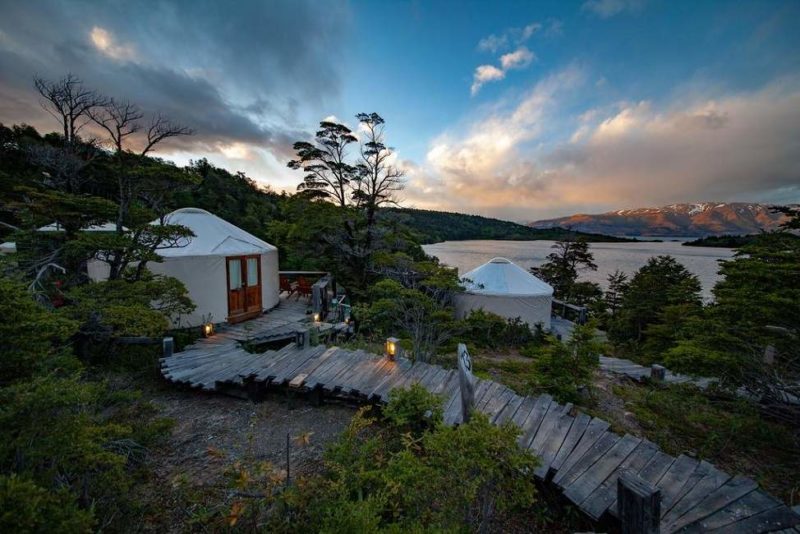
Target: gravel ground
[213, 431]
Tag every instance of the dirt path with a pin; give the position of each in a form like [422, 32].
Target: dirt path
[213, 431]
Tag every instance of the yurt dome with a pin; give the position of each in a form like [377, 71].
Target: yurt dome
[503, 277]
[231, 275]
[212, 236]
[506, 289]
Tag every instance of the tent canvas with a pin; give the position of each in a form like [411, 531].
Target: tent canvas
[201, 263]
[506, 289]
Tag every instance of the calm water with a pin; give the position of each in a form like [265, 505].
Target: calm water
[627, 257]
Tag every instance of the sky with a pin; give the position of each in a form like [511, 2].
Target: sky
[517, 110]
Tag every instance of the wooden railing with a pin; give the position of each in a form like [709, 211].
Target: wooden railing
[572, 312]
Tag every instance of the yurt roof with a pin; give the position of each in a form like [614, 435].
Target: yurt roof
[502, 277]
[212, 236]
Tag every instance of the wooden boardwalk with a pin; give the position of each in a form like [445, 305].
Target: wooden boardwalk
[579, 455]
[638, 372]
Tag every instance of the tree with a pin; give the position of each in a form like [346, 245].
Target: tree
[70, 102]
[329, 175]
[617, 284]
[378, 180]
[658, 285]
[410, 313]
[793, 216]
[121, 121]
[565, 369]
[562, 266]
[750, 334]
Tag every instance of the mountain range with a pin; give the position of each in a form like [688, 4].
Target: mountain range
[691, 220]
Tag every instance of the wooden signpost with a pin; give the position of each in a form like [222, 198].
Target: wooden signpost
[466, 382]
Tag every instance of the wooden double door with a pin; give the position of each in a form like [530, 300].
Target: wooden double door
[244, 287]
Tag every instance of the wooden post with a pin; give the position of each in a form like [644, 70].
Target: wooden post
[658, 372]
[769, 354]
[466, 382]
[319, 297]
[302, 339]
[638, 504]
[168, 345]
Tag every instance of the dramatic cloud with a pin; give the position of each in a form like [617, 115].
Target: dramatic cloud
[518, 59]
[608, 8]
[515, 162]
[234, 75]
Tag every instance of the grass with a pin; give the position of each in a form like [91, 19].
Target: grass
[730, 432]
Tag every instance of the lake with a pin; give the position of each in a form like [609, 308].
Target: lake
[627, 257]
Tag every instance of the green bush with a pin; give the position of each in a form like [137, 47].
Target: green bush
[415, 409]
[726, 430]
[33, 339]
[488, 330]
[386, 478]
[26, 507]
[564, 369]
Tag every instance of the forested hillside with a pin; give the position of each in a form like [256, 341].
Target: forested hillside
[437, 226]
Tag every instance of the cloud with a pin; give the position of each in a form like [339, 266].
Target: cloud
[105, 42]
[238, 84]
[512, 36]
[517, 162]
[608, 8]
[518, 59]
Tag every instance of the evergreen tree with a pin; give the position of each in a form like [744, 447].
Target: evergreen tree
[657, 286]
[563, 266]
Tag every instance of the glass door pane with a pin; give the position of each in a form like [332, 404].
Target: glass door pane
[252, 272]
[234, 274]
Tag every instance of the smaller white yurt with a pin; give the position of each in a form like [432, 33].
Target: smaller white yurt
[231, 275]
[508, 290]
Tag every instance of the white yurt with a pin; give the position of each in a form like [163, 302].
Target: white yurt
[231, 275]
[508, 290]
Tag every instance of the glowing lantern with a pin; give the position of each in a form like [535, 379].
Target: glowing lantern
[316, 317]
[392, 348]
[208, 329]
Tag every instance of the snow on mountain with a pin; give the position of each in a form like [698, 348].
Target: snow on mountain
[690, 219]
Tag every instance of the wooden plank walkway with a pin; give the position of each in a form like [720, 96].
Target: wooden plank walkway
[579, 455]
[638, 372]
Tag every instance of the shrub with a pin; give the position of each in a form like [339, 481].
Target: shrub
[26, 507]
[33, 338]
[488, 330]
[563, 369]
[383, 477]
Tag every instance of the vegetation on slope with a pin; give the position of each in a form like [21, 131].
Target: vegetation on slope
[437, 226]
[725, 241]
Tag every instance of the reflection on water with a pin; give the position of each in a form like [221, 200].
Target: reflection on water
[627, 257]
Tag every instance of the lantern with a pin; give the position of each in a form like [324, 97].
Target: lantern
[208, 329]
[392, 348]
[316, 317]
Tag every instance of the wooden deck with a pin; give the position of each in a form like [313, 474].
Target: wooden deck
[579, 455]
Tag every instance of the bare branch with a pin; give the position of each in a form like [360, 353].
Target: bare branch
[69, 102]
[162, 128]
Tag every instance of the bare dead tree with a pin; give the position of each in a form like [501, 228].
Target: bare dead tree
[162, 128]
[122, 121]
[70, 102]
[378, 179]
